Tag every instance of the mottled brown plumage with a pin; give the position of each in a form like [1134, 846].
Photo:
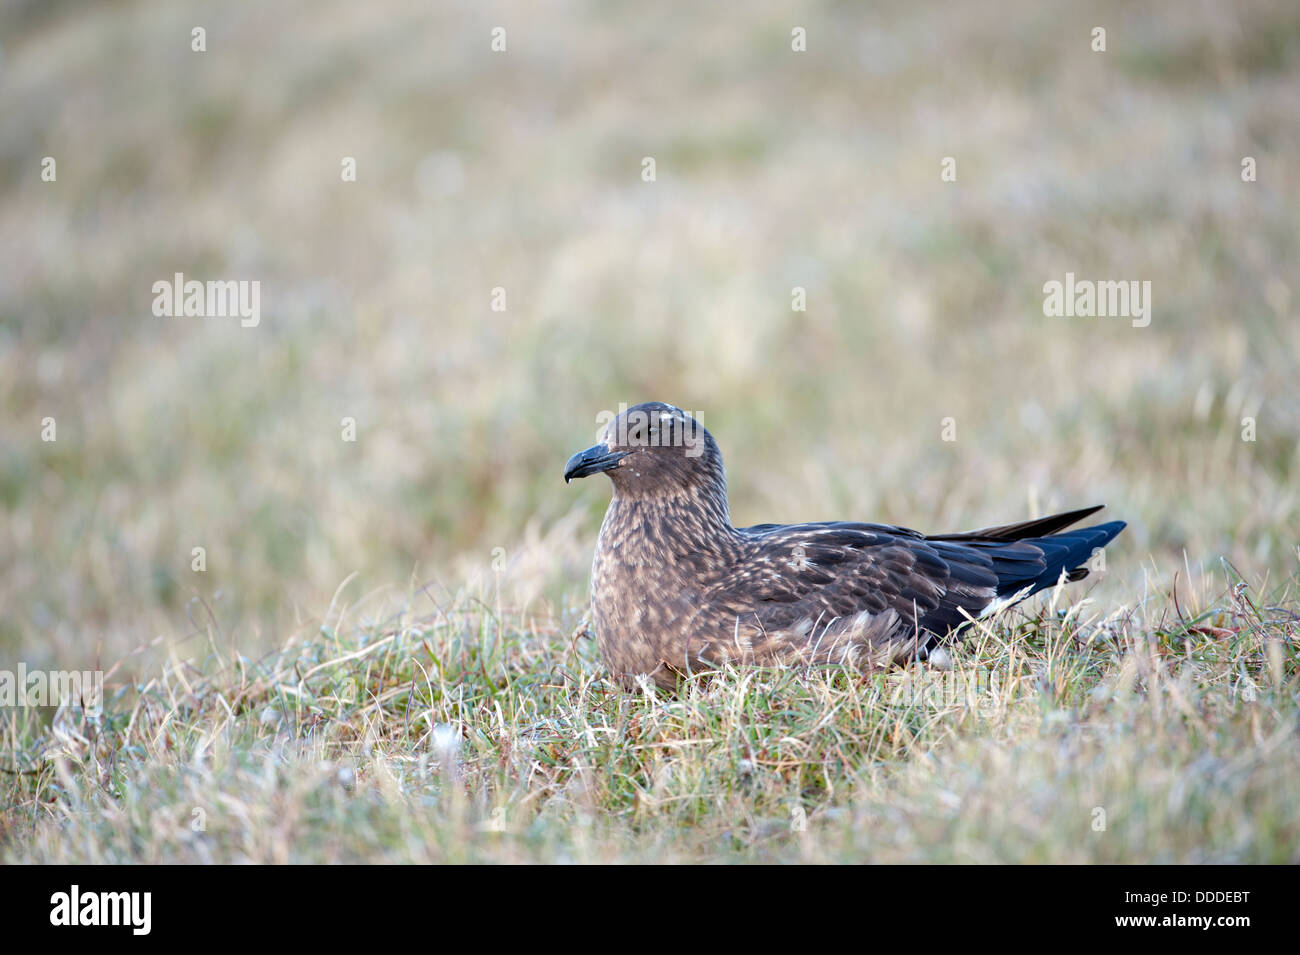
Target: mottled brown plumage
[676, 588]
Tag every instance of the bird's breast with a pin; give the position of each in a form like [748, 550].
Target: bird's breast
[644, 597]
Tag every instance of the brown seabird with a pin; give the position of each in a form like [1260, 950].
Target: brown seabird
[675, 588]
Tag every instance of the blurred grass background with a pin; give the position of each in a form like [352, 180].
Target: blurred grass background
[522, 170]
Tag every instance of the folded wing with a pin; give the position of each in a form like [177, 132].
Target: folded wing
[819, 578]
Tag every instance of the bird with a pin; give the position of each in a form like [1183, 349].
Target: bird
[677, 590]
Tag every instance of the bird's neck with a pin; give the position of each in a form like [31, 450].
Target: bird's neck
[692, 520]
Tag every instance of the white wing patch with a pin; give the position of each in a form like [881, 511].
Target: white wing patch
[1002, 603]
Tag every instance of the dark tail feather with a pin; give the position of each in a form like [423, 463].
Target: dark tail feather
[1039, 527]
[1066, 551]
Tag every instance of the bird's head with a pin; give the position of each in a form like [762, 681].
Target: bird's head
[652, 449]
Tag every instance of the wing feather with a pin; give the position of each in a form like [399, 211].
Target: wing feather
[833, 572]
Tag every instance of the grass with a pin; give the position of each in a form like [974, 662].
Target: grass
[818, 170]
[1163, 732]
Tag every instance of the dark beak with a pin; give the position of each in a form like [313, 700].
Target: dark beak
[592, 461]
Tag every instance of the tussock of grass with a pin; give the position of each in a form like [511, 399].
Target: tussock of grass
[474, 734]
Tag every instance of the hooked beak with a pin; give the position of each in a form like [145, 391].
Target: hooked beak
[592, 461]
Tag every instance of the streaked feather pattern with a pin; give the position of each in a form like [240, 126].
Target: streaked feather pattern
[677, 588]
